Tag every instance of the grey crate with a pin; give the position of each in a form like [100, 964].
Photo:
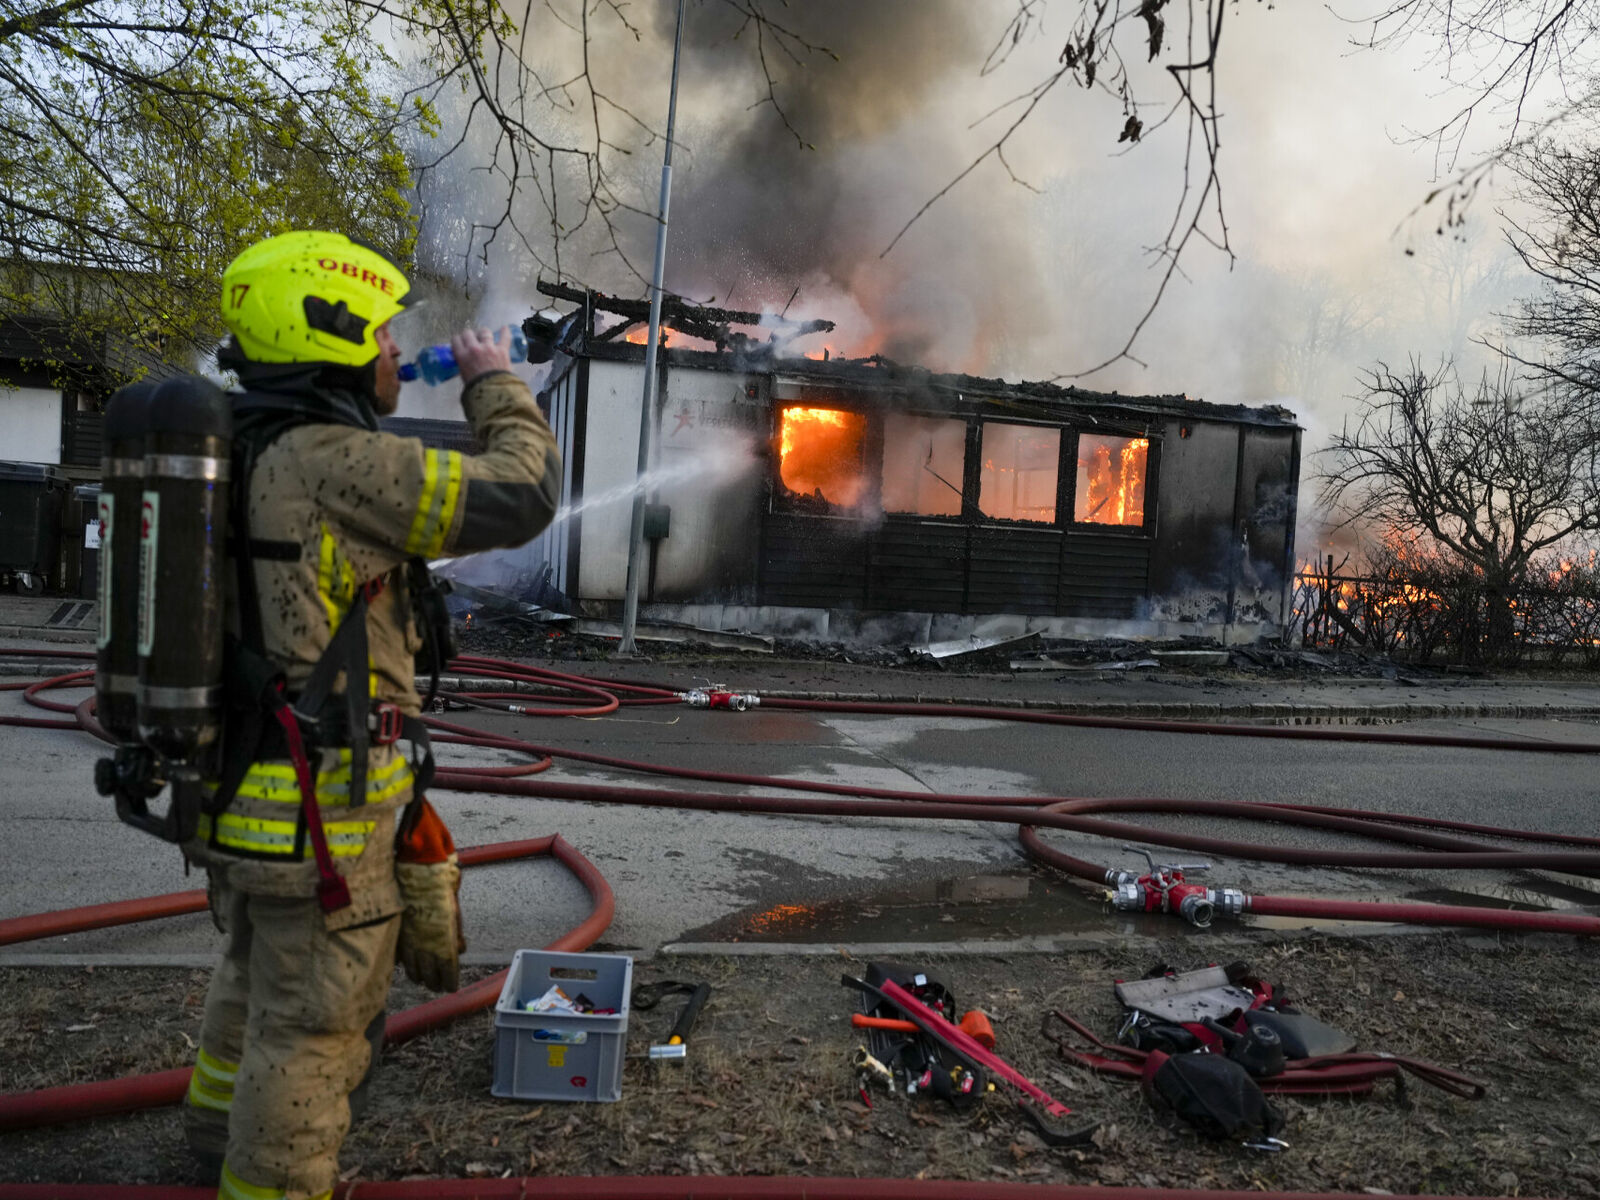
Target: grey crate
[562, 1056]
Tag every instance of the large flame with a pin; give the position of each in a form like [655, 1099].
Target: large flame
[1111, 480]
[820, 454]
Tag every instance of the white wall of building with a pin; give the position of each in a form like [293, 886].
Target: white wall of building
[710, 472]
[30, 425]
[705, 465]
[611, 454]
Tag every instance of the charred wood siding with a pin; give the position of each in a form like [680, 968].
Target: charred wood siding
[812, 562]
[1013, 570]
[1103, 576]
[912, 566]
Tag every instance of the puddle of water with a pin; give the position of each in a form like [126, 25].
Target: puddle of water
[975, 907]
[1004, 907]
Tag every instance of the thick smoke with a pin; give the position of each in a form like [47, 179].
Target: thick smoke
[998, 278]
[758, 213]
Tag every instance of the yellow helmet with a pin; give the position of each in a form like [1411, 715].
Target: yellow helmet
[311, 297]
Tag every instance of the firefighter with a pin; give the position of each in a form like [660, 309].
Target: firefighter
[337, 519]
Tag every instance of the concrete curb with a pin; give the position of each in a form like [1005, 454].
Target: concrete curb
[1288, 713]
[1146, 710]
[47, 633]
[1320, 713]
[1038, 944]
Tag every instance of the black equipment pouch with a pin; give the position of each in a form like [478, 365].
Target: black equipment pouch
[432, 616]
[1213, 1094]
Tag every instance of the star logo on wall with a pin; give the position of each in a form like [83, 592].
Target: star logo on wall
[685, 420]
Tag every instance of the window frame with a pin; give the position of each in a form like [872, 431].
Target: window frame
[781, 500]
[1152, 475]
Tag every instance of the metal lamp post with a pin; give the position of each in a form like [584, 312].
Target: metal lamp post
[630, 603]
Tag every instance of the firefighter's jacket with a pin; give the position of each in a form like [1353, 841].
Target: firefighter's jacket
[347, 506]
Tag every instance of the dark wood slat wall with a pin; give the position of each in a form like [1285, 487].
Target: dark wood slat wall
[1013, 570]
[812, 562]
[916, 568]
[1103, 576]
[906, 565]
[81, 438]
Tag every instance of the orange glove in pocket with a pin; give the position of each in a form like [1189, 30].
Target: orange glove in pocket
[431, 938]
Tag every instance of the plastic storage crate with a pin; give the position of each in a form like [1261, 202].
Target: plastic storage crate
[557, 1055]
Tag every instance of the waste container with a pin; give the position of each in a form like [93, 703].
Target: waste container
[32, 497]
[80, 542]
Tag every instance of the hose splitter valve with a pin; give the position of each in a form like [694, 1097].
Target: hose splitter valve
[1164, 889]
[717, 696]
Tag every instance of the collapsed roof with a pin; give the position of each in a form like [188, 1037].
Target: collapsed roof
[735, 350]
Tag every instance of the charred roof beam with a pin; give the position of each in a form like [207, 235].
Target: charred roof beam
[695, 320]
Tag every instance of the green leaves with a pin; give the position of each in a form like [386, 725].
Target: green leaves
[144, 142]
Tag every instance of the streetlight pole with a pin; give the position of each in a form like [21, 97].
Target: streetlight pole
[630, 602]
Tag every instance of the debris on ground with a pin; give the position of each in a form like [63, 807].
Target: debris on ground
[769, 1085]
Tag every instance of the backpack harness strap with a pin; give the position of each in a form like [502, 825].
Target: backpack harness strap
[256, 691]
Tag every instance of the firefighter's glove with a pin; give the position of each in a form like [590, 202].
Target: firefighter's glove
[431, 940]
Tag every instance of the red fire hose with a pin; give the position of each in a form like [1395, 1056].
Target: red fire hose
[50, 1106]
[697, 1187]
[1072, 814]
[1437, 850]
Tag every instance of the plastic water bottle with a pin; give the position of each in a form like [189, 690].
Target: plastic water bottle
[437, 363]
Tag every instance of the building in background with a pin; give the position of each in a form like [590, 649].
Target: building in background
[863, 500]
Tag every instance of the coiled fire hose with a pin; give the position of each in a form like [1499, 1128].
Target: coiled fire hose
[1437, 844]
[1436, 849]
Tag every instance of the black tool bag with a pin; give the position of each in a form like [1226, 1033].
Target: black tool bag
[1212, 1093]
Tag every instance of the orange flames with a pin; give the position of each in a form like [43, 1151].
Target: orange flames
[640, 334]
[820, 454]
[1111, 479]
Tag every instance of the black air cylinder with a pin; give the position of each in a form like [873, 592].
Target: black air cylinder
[182, 564]
[116, 669]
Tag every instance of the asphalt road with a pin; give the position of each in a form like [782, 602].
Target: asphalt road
[684, 876]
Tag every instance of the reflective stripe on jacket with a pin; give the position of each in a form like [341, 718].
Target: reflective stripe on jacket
[353, 506]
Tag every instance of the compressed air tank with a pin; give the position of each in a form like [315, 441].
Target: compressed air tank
[183, 556]
[116, 668]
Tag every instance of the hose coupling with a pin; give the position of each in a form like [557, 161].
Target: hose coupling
[1128, 896]
[718, 698]
[1197, 908]
[1229, 901]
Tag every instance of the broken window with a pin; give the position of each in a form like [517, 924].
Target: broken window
[924, 459]
[1020, 463]
[1111, 474]
[821, 455]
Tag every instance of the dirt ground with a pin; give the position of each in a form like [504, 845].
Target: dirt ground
[767, 1088]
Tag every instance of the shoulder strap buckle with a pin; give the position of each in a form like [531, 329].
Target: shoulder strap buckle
[385, 723]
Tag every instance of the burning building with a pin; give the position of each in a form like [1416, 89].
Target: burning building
[863, 499]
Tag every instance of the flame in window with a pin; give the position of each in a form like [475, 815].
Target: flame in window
[820, 453]
[1111, 474]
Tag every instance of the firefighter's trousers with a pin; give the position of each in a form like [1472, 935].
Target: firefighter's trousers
[283, 1042]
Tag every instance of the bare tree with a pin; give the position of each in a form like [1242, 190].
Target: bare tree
[148, 139]
[1500, 56]
[1561, 247]
[1491, 476]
